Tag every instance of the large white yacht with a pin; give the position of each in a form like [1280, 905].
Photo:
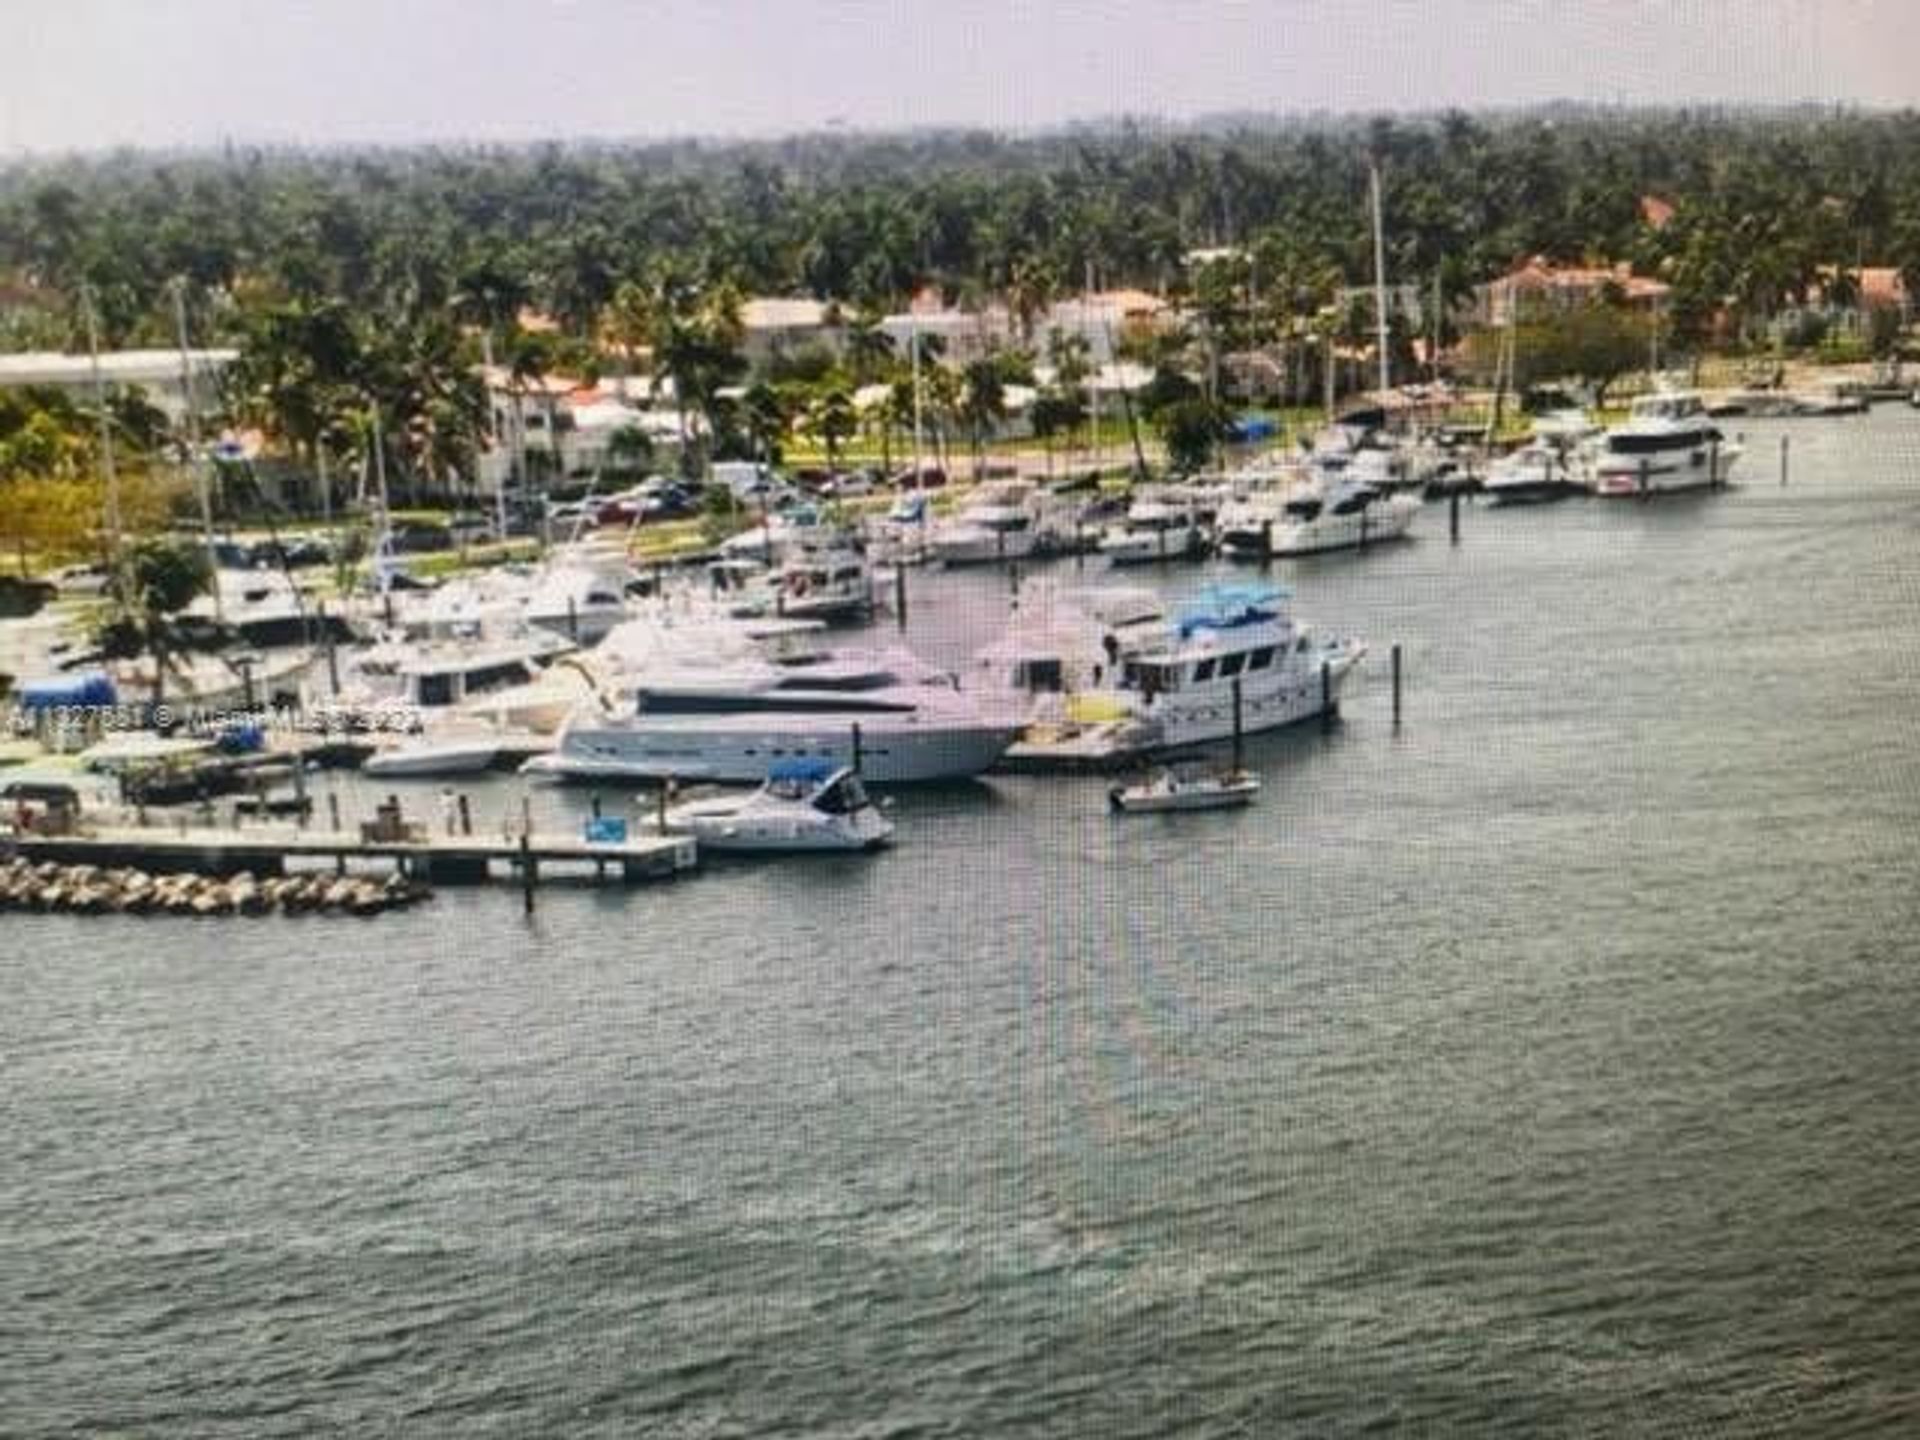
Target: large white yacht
[1668, 442]
[1160, 684]
[1002, 520]
[729, 718]
[1327, 513]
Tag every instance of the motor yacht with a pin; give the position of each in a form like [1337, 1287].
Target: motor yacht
[727, 718]
[1155, 528]
[1160, 683]
[1668, 442]
[1002, 520]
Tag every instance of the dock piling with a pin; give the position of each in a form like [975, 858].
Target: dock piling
[900, 594]
[1396, 684]
[466, 815]
[1453, 516]
[1326, 695]
[856, 747]
[527, 876]
[1783, 460]
[1645, 491]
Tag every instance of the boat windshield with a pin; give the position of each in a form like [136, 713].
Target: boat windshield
[843, 797]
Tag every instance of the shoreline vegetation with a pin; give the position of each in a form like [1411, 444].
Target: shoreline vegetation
[364, 291]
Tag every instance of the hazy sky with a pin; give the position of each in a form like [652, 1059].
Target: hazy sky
[93, 73]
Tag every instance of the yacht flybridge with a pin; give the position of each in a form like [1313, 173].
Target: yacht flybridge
[1669, 442]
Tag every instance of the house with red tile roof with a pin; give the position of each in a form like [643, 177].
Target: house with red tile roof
[1540, 286]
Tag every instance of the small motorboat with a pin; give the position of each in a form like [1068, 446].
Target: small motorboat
[1178, 788]
[807, 804]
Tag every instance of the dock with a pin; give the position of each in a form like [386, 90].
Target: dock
[435, 859]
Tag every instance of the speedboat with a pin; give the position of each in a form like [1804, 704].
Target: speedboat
[1155, 528]
[1668, 442]
[1184, 788]
[727, 718]
[1538, 471]
[805, 805]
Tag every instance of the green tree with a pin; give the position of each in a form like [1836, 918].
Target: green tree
[159, 579]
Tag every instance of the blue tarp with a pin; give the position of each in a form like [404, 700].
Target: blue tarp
[606, 830]
[1245, 429]
[92, 690]
[805, 769]
[243, 739]
[1221, 606]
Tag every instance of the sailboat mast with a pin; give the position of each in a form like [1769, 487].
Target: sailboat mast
[196, 462]
[1379, 277]
[913, 346]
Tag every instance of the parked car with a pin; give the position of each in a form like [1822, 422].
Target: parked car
[932, 477]
[851, 483]
[470, 529]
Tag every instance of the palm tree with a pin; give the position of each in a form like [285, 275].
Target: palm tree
[983, 403]
[869, 348]
[832, 418]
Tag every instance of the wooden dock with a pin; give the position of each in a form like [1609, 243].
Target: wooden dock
[436, 859]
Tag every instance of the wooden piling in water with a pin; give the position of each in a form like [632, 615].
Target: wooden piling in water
[900, 594]
[1453, 516]
[527, 876]
[1396, 684]
[1326, 695]
[1783, 460]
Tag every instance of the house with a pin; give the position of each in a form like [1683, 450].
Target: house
[964, 335]
[1103, 319]
[1844, 309]
[780, 326]
[1540, 286]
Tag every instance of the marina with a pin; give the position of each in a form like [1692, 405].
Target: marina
[1221, 772]
[1611, 929]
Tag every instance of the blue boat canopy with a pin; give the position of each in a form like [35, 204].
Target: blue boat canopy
[1220, 607]
[803, 769]
[92, 689]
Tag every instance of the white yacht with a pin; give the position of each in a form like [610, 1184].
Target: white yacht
[577, 599]
[1161, 685]
[903, 536]
[1337, 514]
[1538, 471]
[806, 805]
[1155, 528]
[1002, 520]
[780, 532]
[459, 707]
[1668, 442]
[728, 719]
[833, 584]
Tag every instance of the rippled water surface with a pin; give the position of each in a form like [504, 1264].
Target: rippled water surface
[1545, 1067]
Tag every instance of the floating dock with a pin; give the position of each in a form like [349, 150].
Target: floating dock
[435, 859]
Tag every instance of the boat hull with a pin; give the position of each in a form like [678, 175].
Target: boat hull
[1664, 474]
[641, 749]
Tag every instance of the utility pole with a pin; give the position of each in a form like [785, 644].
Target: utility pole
[196, 462]
[107, 470]
[1379, 278]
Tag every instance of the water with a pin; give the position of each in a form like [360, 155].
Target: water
[1545, 1067]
